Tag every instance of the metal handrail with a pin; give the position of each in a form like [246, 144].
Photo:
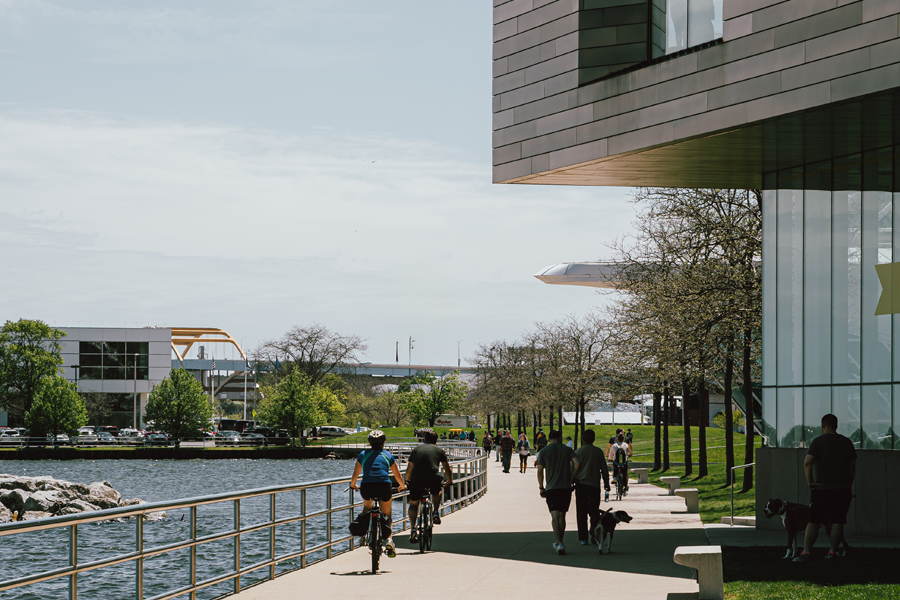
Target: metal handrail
[469, 479]
[731, 524]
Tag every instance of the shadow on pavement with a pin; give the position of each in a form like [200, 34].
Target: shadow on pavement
[648, 552]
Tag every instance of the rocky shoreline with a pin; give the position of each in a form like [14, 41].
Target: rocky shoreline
[29, 498]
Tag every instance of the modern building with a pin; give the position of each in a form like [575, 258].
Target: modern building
[799, 98]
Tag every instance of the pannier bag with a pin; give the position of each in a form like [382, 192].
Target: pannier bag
[360, 525]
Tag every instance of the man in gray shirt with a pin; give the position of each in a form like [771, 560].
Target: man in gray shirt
[587, 486]
[561, 467]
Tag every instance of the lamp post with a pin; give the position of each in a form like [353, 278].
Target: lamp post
[458, 358]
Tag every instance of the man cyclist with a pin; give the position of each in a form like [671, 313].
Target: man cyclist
[376, 465]
[618, 454]
[423, 477]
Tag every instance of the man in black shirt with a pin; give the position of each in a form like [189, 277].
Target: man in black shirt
[423, 477]
[833, 458]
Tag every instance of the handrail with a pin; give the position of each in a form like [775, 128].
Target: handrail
[469, 481]
[731, 524]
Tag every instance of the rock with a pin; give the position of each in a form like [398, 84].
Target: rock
[15, 499]
[34, 514]
[103, 495]
[45, 501]
[6, 515]
[79, 506]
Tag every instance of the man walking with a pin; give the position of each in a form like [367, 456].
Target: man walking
[486, 443]
[506, 449]
[830, 466]
[540, 440]
[587, 486]
[561, 466]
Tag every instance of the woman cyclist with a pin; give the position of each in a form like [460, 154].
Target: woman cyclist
[376, 466]
[619, 452]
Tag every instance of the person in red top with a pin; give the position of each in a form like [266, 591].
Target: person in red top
[507, 443]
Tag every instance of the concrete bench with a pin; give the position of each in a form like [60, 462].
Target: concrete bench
[691, 498]
[745, 521]
[673, 482]
[707, 560]
[642, 475]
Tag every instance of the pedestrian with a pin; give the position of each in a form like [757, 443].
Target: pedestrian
[830, 467]
[487, 443]
[524, 451]
[497, 438]
[569, 442]
[559, 464]
[587, 487]
[507, 443]
[612, 440]
[471, 435]
[540, 440]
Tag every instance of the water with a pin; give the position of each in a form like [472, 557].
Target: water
[157, 480]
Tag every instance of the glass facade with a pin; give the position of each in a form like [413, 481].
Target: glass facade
[114, 360]
[824, 349]
[691, 23]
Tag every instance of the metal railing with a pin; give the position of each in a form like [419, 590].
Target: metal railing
[732, 487]
[469, 484]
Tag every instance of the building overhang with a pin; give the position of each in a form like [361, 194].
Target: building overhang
[587, 274]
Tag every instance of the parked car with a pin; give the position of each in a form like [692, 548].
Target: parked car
[110, 429]
[253, 439]
[130, 436]
[106, 438]
[228, 438]
[61, 440]
[86, 438]
[331, 431]
[11, 437]
[273, 436]
[157, 439]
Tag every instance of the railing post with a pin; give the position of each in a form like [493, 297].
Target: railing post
[328, 520]
[303, 529]
[139, 563]
[194, 551]
[73, 561]
[352, 538]
[237, 546]
[272, 535]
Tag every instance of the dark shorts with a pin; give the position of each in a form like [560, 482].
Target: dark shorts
[376, 491]
[558, 499]
[825, 505]
[419, 489]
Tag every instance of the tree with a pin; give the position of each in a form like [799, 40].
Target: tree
[315, 350]
[427, 396]
[57, 408]
[178, 406]
[29, 352]
[98, 405]
[296, 404]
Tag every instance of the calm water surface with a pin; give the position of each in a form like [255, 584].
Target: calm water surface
[157, 480]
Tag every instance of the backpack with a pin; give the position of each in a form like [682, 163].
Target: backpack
[621, 457]
[360, 525]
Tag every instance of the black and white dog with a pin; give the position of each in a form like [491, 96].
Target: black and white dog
[607, 526]
[795, 517]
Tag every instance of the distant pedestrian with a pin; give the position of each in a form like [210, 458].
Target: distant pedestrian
[507, 443]
[487, 443]
[587, 487]
[629, 437]
[471, 435]
[497, 437]
[559, 464]
[830, 467]
[524, 451]
[569, 442]
[540, 440]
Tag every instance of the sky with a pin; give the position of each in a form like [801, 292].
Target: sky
[255, 165]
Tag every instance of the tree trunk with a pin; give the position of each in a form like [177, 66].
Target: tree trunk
[686, 419]
[583, 424]
[729, 415]
[748, 401]
[703, 397]
[562, 422]
[550, 414]
[667, 414]
[540, 424]
[657, 425]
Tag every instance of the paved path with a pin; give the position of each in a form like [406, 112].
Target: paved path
[503, 542]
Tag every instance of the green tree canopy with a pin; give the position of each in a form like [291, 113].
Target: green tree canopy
[29, 352]
[426, 396]
[57, 408]
[296, 404]
[178, 406]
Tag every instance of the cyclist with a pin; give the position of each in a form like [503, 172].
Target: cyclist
[618, 454]
[376, 466]
[423, 476]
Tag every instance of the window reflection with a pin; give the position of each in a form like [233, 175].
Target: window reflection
[114, 360]
[691, 23]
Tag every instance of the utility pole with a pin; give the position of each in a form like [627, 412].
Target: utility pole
[134, 368]
[397, 353]
[410, 354]
[458, 359]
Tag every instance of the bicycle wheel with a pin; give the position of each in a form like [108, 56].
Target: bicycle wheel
[375, 540]
[620, 488]
[422, 525]
[429, 526]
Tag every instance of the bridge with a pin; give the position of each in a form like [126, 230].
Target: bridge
[277, 541]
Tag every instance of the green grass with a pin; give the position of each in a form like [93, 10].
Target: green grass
[758, 572]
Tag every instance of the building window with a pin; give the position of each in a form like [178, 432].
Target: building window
[691, 23]
[114, 360]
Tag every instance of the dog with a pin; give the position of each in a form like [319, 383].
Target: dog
[603, 533]
[795, 518]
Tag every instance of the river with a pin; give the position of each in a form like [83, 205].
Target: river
[156, 480]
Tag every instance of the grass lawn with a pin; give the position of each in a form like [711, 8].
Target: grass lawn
[752, 573]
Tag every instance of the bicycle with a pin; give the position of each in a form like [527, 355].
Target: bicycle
[425, 523]
[620, 482]
[374, 537]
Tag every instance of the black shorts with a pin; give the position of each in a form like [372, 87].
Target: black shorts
[825, 505]
[558, 499]
[419, 489]
[376, 491]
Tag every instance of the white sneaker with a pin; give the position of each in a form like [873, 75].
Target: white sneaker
[560, 549]
[584, 542]
[389, 548]
[555, 546]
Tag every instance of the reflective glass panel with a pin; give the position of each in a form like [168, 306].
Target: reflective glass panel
[769, 331]
[676, 25]
[789, 294]
[90, 347]
[845, 406]
[876, 417]
[769, 413]
[137, 347]
[816, 403]
[896, 417]
[845, 286]
[789, 423]
[816, 288]
[877, 249]
[702, 15]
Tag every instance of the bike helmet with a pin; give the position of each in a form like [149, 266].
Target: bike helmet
[376, 437]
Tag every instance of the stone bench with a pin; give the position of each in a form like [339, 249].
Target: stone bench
[691, 498]
[642, 475]
[707, 560]
[745, 521]
[673, 482]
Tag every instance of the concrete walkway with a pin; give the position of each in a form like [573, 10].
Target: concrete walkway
[503, 543]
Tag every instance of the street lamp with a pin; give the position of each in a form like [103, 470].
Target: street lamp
[458, 358]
